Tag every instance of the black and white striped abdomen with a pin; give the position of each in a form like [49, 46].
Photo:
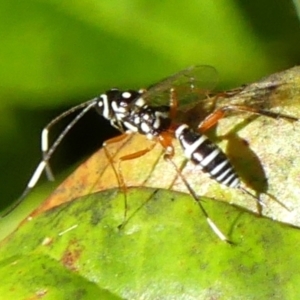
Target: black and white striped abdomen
[208, 156]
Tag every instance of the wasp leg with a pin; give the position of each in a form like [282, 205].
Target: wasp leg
[210, 222]
[166, 141]
[118, 171]
[110, 157]
[211, 120]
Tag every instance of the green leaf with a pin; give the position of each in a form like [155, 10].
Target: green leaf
[165, 249]
[34, 276]
[263, 151]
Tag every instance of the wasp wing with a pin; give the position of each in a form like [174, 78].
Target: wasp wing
[270, 96]
[190, 85]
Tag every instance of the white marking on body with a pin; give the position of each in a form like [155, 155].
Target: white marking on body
[160, 114]
[146, 117]
[225, 182]
[37, 174]
[209, 158]
[221, 176]
[120, 115]
[145, 127]
[126, 95]
[198, 157]
[140, 102]
[117, 108]
[45, 140]
[149, 136]
[219, 167]
[235, 183]
[192, 148]
[130, 127]
[157, 123]
[158, 117]
[106, 106]
[179, 130]
[137, 120]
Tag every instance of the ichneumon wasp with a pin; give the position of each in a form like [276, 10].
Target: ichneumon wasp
[154, 113]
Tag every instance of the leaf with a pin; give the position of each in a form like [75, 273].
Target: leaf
[34, 276]
[165, 250]
[166, 247]
[263, 151]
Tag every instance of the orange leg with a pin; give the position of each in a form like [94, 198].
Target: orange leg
[165, 139]
[108, 154]
[211, 120]
[118, 172]
[130, 156]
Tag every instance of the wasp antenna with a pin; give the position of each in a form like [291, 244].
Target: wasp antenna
[31, 183]
[44, 165]
[86, 106]
[46, 130]
[44, 148]
[16, 204]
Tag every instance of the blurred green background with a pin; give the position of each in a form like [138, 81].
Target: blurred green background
[56, 54]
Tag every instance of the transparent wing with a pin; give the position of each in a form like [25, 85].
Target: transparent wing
[196, 101]
[191, 85]
[269, 96]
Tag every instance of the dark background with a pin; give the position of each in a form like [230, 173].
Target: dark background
[54, 55]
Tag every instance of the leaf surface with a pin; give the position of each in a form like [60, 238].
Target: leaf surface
[165, 250]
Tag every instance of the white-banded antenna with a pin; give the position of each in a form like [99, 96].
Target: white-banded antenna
[47, 154]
